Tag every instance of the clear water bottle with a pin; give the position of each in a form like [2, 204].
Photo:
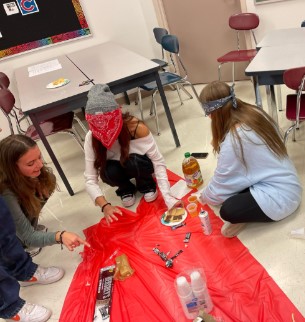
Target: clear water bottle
[200, 291]
[186, 297]
[191, 171]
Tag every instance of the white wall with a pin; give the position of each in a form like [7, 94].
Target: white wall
[128, 23]
[277, 15]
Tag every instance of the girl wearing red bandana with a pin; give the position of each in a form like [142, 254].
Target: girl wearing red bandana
[119, 147]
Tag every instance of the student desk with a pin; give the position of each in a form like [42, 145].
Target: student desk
[280, 37]
[121, 69]
[40, 103]
[269, 65]
[106, 63]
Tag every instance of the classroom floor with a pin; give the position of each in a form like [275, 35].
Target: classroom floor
[270, 243]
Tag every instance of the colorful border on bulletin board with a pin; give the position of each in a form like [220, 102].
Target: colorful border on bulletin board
[84, 31]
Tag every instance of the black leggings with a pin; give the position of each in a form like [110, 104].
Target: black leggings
[137, 166]
[242, 208]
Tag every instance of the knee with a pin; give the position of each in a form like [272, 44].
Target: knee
[226, 211]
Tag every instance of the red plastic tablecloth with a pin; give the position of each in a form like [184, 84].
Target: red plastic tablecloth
[240, 287]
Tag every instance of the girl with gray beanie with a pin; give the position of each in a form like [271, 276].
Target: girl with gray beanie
[120, 147]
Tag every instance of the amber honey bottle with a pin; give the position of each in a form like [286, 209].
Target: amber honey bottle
[191, 171]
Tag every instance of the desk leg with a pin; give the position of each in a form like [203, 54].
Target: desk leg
[167, 110]
[279, 98]
[272, 103]
[258, 98]
[52, 155]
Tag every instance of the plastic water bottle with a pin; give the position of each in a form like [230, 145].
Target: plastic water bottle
[191, 171]
[186, 297]
[200, 291]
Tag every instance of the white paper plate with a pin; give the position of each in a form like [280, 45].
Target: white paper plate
[59, 84]
[173, 223]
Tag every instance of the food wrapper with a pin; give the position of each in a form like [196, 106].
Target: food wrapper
[104, 294]
[123, 269]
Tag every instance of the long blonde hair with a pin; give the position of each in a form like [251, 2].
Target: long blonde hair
[227, 119]
[27, 190]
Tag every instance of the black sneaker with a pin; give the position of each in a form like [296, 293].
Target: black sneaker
[128, 200]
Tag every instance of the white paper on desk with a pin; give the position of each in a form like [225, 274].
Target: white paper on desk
[180, 189]
[43, 68]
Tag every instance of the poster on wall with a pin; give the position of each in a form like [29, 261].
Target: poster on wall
[33, 24]
[265, 1]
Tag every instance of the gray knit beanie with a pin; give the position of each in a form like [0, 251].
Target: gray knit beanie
[100, 100]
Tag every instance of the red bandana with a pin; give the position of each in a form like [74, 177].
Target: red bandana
[106, 127]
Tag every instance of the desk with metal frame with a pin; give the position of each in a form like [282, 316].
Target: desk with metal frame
[268, 67]
[120, 68]
[281, 37]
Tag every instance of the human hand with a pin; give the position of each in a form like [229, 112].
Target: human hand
[178, 204]
[72, 240]
[110, 213]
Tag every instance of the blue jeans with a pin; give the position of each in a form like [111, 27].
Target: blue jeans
[138, 167]
[15, 265]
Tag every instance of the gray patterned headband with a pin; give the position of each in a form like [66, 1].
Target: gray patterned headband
[212, 106]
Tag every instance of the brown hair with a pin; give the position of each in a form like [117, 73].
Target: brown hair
[27, 190]
[227, 119]
[124, 140]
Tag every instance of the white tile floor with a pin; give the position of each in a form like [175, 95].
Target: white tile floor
[282, 256]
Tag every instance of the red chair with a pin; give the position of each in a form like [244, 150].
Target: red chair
[61, 123]
[294, 78]
[4, 80]
[240, 22]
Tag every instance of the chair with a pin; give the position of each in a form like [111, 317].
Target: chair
[19, 116]
[61, 123]
[159, 33]
[294, 78]
[240, 22]
[170, 44]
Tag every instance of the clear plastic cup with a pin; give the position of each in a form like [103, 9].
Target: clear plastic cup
[192, 199]
[192, 209]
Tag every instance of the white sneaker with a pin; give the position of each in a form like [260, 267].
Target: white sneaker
[231, 230]
[32, 313]
[44, 275]
[128, 200]
[151, 196]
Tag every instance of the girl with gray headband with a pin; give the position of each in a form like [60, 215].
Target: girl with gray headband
[254, 180]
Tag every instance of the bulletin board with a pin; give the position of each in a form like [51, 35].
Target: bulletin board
[32, 24]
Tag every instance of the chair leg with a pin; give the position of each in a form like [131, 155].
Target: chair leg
[219, 72]
[279, 97]
[193, 89]
[185, 90]
[140, 103]
[292, 127]
[81, 124]
[76, 136]
[233, 72]
[178, 92]
[293, 133]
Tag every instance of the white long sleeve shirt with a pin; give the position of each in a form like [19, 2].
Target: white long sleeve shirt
[142, 146]
[273, 182]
